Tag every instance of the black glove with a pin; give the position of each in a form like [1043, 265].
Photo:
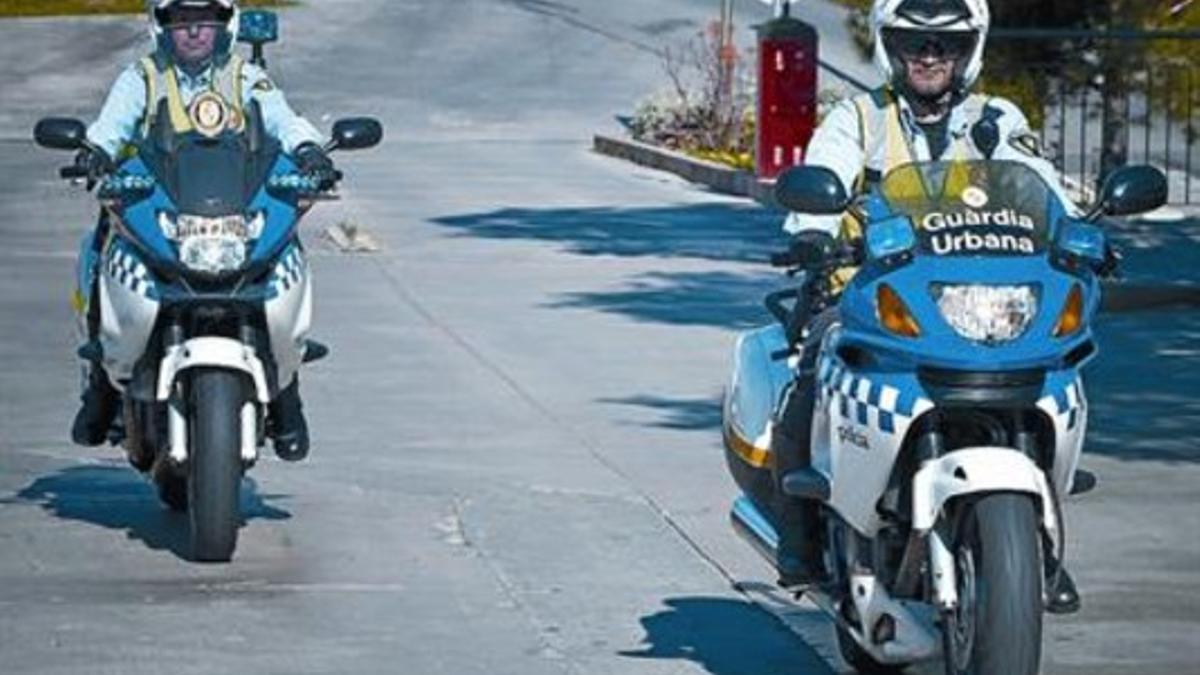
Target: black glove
[808, 249]
[92, 164]
[313, 161]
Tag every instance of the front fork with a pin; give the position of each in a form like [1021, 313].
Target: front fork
[182, 355]
[944, 477]
[942, 575]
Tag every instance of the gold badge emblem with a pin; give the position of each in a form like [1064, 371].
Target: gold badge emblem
[209, 114]
[975, 197]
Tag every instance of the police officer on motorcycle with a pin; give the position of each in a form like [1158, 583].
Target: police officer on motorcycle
[930, 53]
[193, 60]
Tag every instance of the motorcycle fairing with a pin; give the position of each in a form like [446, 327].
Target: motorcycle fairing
[140, 218]
[939, 345]
[863, 416]
[759, 379]
[281, 217]
[129, 306]
[1065, 403]
[288, 307]
[85, 278]
[139, 270]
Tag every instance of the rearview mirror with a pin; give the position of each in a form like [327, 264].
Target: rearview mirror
[1131, 190]
[811, 189]
[60, 133]
[356, 133]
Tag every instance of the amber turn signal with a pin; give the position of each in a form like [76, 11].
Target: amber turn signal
[1071, 319]
[894, 314]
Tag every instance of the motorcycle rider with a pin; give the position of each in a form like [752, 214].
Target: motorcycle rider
[193, 61]
[930, 53]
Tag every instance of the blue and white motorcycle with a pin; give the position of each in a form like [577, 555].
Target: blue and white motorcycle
[204, 302]
[947, 408]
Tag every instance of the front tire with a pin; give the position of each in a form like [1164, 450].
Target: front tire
[997, 628]
[215, 466]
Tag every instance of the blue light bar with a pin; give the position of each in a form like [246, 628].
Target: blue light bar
[1082, 240]
[890, 237]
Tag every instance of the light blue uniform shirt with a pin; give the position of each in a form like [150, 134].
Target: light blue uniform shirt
[838, 146]
[120, 119]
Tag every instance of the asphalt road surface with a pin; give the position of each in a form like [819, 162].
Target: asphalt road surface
[517, 464]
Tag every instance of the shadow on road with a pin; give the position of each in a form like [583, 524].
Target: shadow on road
[1157, 253]
[686, 414]
[715, 231]
[119, 499]
[1142, 389]
[717, 299]
[726, 637]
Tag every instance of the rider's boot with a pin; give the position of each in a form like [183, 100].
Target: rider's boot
[96, 414]
[798, 558]
[288, 428]
[1062, 597]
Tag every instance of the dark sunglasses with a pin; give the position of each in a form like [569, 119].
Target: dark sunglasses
[916, 44]
[192, 16]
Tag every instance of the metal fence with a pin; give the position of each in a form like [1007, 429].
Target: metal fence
[1148, 113]
[1157, 121]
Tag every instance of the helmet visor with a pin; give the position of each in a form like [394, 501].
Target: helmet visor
[913, 45]
[178, 16]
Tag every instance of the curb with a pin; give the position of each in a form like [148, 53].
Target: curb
[718, 177]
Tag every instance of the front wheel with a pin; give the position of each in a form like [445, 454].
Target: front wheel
[997, 627]
[215, 466]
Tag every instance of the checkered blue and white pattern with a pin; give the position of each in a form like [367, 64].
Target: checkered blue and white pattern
[123, 267]
[1069, 402]
[869, 403]
[289, 271]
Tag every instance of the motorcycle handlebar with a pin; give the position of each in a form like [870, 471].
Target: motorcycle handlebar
[842, 257]
[72, 172]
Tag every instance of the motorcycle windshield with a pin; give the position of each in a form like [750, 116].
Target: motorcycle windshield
[211, 177]
[973, 208]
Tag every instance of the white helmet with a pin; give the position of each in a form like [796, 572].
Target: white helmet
[228, 15]
[963, 25]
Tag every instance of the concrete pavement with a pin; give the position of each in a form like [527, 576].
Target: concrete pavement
[517, 465]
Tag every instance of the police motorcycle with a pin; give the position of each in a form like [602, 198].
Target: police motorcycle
[947, 407]
[204, 300]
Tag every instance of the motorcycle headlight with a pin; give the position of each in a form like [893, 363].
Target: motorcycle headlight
[989, 314]
[214, 255]
[212, 245]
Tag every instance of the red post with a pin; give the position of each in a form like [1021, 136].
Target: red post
[787, 94]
